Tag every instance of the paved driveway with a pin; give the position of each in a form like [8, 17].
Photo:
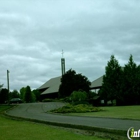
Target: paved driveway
[38, 111]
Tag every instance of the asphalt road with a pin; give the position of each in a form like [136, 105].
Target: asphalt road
[38, 111]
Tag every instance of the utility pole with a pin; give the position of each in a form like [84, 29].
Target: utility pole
[8, 84]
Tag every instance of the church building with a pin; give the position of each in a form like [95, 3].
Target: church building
[51, 87]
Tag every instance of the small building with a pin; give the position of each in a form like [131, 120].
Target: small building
[50, 89]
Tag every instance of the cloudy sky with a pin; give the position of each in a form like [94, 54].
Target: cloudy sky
[34, 32]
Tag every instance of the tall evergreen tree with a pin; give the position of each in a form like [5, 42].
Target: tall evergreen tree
[28, 95]
[111, 88]
[22, 93]
[138, 84]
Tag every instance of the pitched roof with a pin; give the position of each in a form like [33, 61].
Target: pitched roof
[52, 89]
[97, 83]
[51, 86]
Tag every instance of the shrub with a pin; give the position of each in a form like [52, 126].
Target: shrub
[51, 100]
[79, 97]
[80, 108]
[47, 100]
[66, 99]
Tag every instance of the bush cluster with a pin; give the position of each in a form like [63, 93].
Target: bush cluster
[78, 97]
[80, 108]
[51, 100]
[47, 100]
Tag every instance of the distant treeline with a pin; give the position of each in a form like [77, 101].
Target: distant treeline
[25, 94]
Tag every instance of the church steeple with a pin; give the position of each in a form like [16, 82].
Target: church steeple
[63, 64]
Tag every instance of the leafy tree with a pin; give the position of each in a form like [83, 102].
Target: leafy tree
[71, 81]
[14, 94]
[33, 97]
[28, 95]
[22, 93]
[131, 82]
[3, 95]
[37, 94]
[111, 88]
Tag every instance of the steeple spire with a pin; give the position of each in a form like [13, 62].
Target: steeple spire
[63, 64]
[62, 53]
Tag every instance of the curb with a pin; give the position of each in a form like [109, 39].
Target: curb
[65, 125]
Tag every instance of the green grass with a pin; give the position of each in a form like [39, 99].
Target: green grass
[4, 107]
[123, 112]
[24, 130]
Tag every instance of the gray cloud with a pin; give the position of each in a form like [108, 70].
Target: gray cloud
[33, 34]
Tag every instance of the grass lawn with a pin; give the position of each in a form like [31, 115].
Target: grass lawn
[24, 130]
[4, 107]
[124, 112]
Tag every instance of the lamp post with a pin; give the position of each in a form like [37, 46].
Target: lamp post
[8, 84]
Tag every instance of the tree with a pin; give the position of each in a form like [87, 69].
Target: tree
[14, 94]
[131, 82]
[37, 94]
[1, 87]
[22, 93]
[138, 83]
[3, 95]
[91, 95]
[111, 87]
[71, 81]
[28, 95]
[33, 97]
